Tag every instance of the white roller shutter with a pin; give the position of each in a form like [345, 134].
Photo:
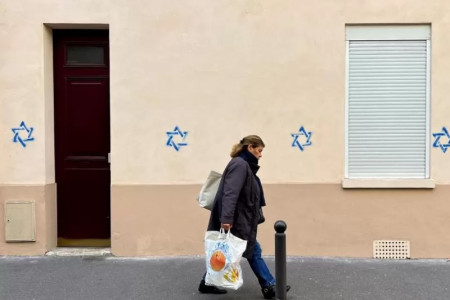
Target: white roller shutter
[387, 108]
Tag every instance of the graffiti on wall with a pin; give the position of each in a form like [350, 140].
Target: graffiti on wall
[176, 138]
[302, 138]
[441, 138]
[22, 134]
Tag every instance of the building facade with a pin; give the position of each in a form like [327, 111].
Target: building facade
[113, 113]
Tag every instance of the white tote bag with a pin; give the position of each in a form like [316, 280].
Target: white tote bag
[209, 190]
[223, 254]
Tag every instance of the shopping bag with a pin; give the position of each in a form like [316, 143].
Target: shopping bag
[209, 190]
[223, 254]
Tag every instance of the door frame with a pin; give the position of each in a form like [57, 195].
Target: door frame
[51, 227]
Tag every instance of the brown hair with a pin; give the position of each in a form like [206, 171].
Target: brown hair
[253, 140]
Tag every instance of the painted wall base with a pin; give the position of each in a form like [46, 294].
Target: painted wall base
[322, 219]
[44, 197]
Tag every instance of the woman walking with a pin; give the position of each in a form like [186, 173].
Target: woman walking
[237, 207]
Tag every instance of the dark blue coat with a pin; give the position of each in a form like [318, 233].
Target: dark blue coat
[237, 202]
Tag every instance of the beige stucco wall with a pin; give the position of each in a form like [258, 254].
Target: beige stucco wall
[205, 67]
[250, 66]
[220, 70]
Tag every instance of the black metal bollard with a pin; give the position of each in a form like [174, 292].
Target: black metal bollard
[280, 259]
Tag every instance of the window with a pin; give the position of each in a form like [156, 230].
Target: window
[85, 55]
[387, 101]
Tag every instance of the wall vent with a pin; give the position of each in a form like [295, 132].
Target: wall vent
[391, 249]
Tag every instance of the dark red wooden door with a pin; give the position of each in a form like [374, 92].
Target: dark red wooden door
[82, 133]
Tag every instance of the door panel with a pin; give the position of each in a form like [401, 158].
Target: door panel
[85, 216]
[82, 133]
[87, 99]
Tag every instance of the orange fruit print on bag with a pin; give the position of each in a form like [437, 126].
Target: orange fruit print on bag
[217, 261]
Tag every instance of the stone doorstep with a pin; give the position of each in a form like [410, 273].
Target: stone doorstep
[78, 251]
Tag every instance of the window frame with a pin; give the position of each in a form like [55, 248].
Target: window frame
[389, 32]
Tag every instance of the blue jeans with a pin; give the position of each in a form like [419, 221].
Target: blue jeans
[260, 268]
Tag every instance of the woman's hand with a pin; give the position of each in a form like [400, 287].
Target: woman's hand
[226, 226]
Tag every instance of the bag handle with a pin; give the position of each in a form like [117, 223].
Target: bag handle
[224, 234]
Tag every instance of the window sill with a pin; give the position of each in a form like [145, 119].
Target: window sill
[388, 184]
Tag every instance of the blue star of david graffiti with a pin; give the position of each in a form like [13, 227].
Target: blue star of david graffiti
[296, 135]
[172, 134]
[437, 143]
[26, 130]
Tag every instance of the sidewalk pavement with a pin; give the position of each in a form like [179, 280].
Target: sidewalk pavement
[103, 276]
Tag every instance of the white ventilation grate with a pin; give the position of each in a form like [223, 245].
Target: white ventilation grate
[391, 249]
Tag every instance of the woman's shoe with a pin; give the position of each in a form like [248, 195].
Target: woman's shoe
[269, 292]
[210, 289]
